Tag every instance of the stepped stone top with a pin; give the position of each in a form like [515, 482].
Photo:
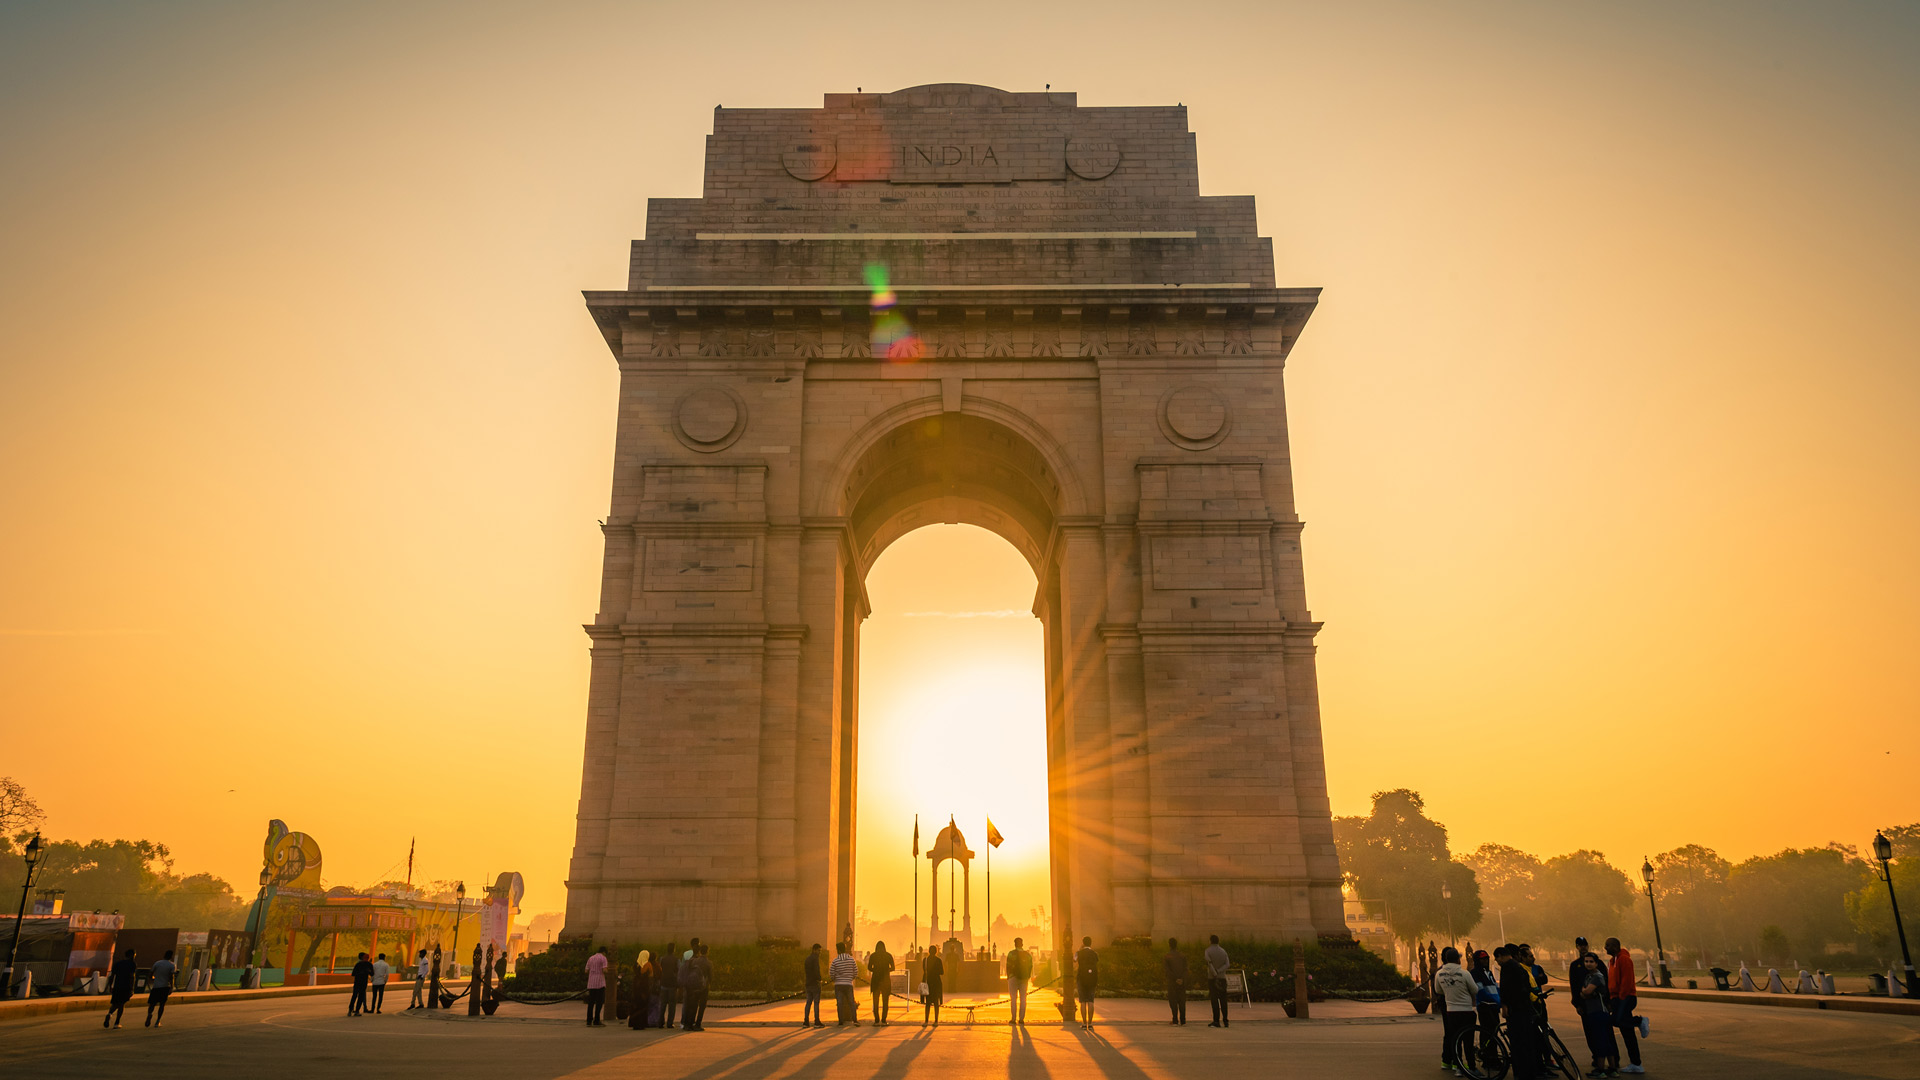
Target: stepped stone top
[951, 186]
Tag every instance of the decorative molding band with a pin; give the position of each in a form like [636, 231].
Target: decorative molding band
[1177, 234]
[1049, 287]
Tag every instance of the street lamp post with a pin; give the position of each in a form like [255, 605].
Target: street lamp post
[1646, 874]
[260, 919]
[1446, 893]
[459, 899]
[13, 952]
[1883, 851]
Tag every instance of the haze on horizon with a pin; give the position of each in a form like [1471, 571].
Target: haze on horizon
[1603, 430]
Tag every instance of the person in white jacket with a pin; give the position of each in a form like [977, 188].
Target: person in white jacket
[382, 971]
[1454, 998]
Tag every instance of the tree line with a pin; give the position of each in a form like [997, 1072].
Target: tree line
[1804, 907]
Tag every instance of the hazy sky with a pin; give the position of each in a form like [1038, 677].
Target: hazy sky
[1604, 429]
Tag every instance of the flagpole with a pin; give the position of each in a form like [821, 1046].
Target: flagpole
[916, 881]
[989, 889]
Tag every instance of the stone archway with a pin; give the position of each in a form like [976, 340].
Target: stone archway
[1065, 344]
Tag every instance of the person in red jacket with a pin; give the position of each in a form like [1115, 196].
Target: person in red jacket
[1621, 995]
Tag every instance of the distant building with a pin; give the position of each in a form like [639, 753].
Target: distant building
[1367, 920]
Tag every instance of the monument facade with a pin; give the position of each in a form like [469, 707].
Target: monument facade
[952, 304]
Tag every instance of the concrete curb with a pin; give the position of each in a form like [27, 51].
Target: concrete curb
[1833, 1002]
[20, 1010]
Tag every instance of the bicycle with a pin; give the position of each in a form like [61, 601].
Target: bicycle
[1489, 1056]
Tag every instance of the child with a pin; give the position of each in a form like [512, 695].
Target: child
[1594, 1017]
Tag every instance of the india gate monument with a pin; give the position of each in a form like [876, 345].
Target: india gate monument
[953, 304]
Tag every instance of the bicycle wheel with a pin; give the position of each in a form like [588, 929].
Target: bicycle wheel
[1562, 1060]
[1488, 1060]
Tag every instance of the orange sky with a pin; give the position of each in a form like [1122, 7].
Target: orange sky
[1604, 428]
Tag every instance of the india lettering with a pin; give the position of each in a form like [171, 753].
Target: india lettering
[944, 156]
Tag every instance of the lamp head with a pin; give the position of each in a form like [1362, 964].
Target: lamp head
[1446, 891]
[266, 876]
[1882, 847]
[1646, 872]
[460, 890]
[33, 851]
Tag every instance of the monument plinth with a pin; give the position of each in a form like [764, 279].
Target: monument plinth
[952, 304]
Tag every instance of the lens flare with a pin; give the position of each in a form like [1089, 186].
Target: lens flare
[892, 336]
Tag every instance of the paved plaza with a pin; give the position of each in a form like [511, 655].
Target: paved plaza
[310, 1037]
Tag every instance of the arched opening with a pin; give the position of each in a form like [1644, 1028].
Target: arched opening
[952, 469]
[952, 722]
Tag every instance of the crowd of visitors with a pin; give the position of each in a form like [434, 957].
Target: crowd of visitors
[1510, 986]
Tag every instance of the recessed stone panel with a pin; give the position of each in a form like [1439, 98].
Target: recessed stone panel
[1200, 563]
[699, 566]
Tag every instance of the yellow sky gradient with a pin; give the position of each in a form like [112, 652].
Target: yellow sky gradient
[1604, 429]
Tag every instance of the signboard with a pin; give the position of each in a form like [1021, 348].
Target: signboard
[230, 948]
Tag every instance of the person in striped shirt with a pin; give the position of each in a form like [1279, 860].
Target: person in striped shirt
[844, 970]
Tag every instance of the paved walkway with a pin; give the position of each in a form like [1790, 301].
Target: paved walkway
[294, 1038]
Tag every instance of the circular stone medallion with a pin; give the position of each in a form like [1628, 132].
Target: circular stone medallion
[709, 419]
[1093, 159]
[1194, 417]
[810, 159]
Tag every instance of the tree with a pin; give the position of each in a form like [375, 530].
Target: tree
[1581, 894]
[1398, 854]
[1507, 881]
[18, 811]
[1690, 883]
[134, 878]
[1802, 891]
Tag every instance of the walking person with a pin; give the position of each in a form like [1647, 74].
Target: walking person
[842, 971]
[1019, 973]
[1457, 988]
[1174, 966]
[669, 965]
[597, 986]
[695, 977]
[1589, 982]
[126, 970]
[1086, 977]
[419, 981]
[1523, 1026]
[880, 981]
[1622, 1000]
[160, 988]
[810, 971]
[382, 971]
[933, 972]
[1217, 962]
[362, 978]
[644, 983]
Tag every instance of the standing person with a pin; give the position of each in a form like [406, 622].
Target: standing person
[1086, 977]
[1590, 998]
[419, 980]
[695, 977]
[362, 977]
[1523, 1027]
[126, 969]
[1019, 973]
[597, 987]
[1174, 964]
[1486, 998]
[842, 971]
[381, 972]
[643, 988]
[1217, 981]
[880, 981]
[933, 972]
[669, 965]
[159, 988]
[1623, 999]
[810, 969]
[1457, 990]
